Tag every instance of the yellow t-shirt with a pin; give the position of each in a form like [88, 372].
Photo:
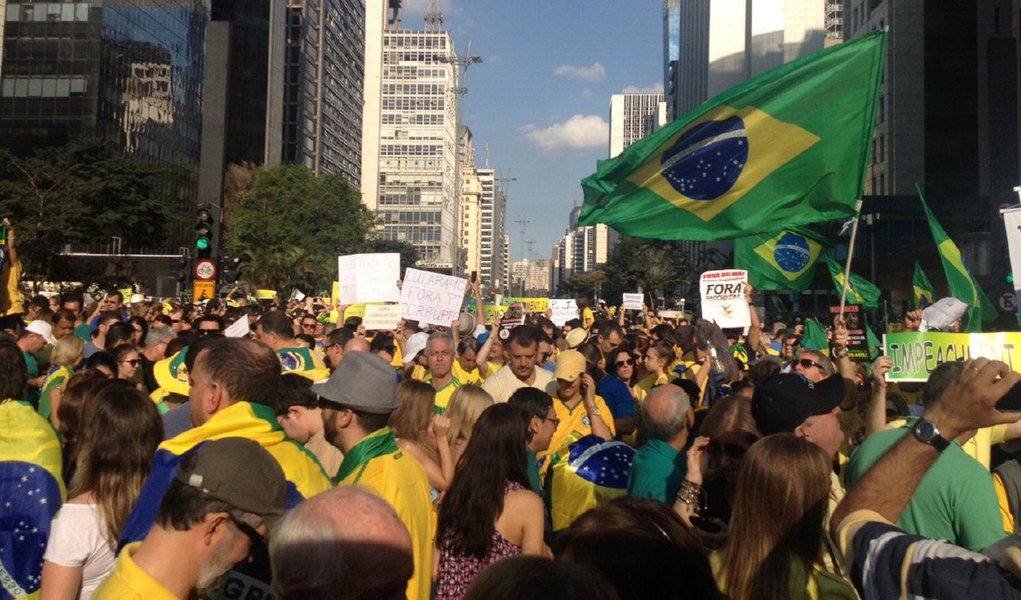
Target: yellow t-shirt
[443, 396]
[575, 424]
[587, 318]
[128, 580]
[473, 376]
[649, 381]
[12, 301]
[400, 480]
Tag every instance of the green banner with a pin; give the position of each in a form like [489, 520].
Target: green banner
[916, 355]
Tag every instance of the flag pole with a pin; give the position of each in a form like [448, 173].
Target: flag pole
[850, 255]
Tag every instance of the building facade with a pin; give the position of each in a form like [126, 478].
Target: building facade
[671, 49]
[493, 266]
[470, 214]
[632, 117]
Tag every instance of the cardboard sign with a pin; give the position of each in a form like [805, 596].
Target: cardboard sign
[723, 299]
[916, 355]
[854, 319]
[563, 311]
[368, 278]
[431, 297]
[238, 329]
[633, 302]
[382, 317]
[532, 305]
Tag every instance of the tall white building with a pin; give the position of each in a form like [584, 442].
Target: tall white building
[493, 211]
[409, 127]
[726, 42]
[632, 117]
[470, 214]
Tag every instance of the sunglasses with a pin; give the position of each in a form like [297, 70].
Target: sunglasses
[256, 539]
[808, 362]
[308, 325]
[628, 361]
[133, 362]
[175, 320]
[730, 450]
[208, 331]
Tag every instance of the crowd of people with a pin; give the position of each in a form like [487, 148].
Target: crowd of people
[145, 454]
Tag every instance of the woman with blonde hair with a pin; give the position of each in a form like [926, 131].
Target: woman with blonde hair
[466, 404]
[422, 433]
[68, 354]
[777, 535]
[120, 430]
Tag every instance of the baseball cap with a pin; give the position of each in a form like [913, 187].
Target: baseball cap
[416, 343]
[42, 328]
[364, 382]
[783, 402]
[239, 472]
[570, 365]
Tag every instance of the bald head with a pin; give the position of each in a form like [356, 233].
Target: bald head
[345, 538]
[665, 412]
[356, 344]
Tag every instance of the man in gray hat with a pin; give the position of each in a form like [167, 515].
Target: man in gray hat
[357, 401]
[212, 517]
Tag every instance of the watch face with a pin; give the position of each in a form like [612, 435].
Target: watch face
[925, 430]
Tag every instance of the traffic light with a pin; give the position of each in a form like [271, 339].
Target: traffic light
[203, 233]
[182, 269]
[229, 269]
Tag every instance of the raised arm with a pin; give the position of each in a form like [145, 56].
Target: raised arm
[875, 417]
[755, 329]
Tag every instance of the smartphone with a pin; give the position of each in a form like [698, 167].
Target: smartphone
[705, 525]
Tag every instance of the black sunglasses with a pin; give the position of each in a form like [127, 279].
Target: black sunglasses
[628, 361]
[253, 536]
[808, 362]
[731, 450]
[209, 332]
[133, 362]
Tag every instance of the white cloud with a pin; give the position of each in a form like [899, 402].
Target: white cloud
[652, 88]
[585, 93]
[577, 133]
[596, 72]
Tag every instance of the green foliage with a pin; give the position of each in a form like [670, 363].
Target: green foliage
[80, 194]
[291, 226]
[656, 266]
[408, 252]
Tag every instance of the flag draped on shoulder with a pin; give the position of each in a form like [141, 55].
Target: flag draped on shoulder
[923, 292]
[778, 261]
[960, 281]
[786, 148]
[304, 362]
[859, 290]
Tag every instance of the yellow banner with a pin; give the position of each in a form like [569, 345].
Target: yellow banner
[532, 305]
[265, 294]
[916, 355]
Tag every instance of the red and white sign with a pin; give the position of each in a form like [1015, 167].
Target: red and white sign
[723, 299]
[205, 269]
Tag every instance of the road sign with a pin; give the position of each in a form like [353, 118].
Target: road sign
[204, 290]
[205, 270]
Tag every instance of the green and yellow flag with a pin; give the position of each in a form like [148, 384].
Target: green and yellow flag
[960, 281]
[778, 261]
[859, 290]
[924, 293]
[786, 148]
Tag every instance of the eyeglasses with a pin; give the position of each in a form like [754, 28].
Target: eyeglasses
[133, 362]
[628, 361]
[328, 346]
[730, 450]
[554, 420]
[308, 325]
[808, 362]
[256, 539]
[208, 331]
[175, 320]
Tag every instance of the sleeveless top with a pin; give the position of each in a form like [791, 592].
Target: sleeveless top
[456, 570]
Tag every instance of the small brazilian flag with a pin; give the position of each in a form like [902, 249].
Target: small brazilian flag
[924, 293]
[786, 148]
[859, 290]
[778, 261]
[959, 279]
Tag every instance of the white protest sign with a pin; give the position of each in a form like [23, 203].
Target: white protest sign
[369, 278]
[431, 297]
[563, 310]
[633, 301]
[723, 299]
[238, 329]
[382, 317]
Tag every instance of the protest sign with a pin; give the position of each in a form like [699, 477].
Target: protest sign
[531, 305]
[633, 301]
[854, 319]
[238, 329]
[431, 297]
[265, 294]
[382, 317]
[493, 313]
[368, 277]
[563, 310]
[915, 355]
[723, 299]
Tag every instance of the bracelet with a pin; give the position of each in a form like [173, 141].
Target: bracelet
[840, 353]
[693, 495]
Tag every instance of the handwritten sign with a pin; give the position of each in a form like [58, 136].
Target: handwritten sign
[563, 310]
[916, 355]
[238, 329]
[854, 320]
[368, 277]
[531, 305]
[632, 301]
[382, 317]
[723, 300]
[431, 297]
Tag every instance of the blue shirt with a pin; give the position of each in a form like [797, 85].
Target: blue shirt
[617, 396]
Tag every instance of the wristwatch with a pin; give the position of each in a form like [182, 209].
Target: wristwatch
[927, 433]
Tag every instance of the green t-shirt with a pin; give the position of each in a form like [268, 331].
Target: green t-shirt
[657, 472]
[32, 395]
[955, 500]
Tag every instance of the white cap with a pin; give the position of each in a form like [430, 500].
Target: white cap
[944, 313]
[416, 343]
[42, 328]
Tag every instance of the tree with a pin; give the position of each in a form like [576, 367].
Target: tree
[289, 208]
[78, 194]
[655, 266]
[408, 252]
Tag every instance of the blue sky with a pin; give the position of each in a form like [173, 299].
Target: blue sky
[541, 96]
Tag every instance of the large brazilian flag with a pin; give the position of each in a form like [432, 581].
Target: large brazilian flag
[779, 261]
[786, 148]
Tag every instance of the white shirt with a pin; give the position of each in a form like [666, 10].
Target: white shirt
[502, 384]
[78, 539]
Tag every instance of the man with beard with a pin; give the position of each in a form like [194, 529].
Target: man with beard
[213, 516]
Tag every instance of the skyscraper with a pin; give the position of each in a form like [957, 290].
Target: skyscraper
[470, 213]
[632, 117]
[671, 49]
[493, 210]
